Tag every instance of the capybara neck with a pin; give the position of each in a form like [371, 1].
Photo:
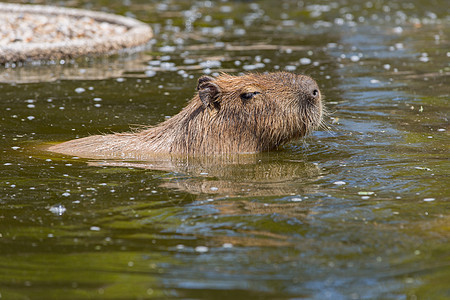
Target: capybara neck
[228, 115]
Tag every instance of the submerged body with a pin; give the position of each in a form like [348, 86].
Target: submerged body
[229, 115]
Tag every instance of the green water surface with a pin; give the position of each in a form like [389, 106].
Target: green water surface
[357, 212]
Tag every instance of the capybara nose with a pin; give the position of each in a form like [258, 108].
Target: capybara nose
[310, 90]
[315, 94]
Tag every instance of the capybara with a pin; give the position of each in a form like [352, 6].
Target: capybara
[228, 115]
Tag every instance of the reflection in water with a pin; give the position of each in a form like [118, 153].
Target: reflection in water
[79, 69]
[247, 175]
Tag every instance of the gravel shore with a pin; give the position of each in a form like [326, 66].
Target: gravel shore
[34, 32]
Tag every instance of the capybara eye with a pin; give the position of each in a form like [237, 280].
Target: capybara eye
[248, 96]
[315, 93]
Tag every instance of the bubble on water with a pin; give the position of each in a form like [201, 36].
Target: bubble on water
[227, 245]
[398, 30]
[213, 188]
[31, 105]
[95, 228]
[290, 68]
[429, 199]
[58, 209]
[296, 199]
[201, 249]
[386, 66]
[189, 61]
[339, 21]
[15, 147]
[422, 168]
[167, 49]
[354, 58]
[168, 66]
[364, 193]
[424, 58]
[240, 31]
[80, 90]
[154, 63]
[339, 182]
[331, 45]
[30, 118]
[253, 67]
[65, 194]
[288, 23]
[180, 247]
[305, 61]
[7, 164]
[210, 64]
[441, 129]
[374, 81]
[226, 9]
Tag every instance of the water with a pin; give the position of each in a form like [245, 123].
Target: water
[358, 212]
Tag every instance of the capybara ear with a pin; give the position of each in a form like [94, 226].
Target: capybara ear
[202, 80]
[208, 92]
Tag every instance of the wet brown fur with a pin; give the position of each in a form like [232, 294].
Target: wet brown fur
[229, 114]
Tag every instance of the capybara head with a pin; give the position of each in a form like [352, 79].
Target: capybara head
[266, 110]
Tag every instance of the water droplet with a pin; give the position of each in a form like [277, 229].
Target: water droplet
[290, 68]
[150, 73]
[201, 249]
[57, 209]
[339, 182]
[305, 61]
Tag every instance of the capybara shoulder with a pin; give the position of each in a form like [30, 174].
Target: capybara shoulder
[228, 115]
